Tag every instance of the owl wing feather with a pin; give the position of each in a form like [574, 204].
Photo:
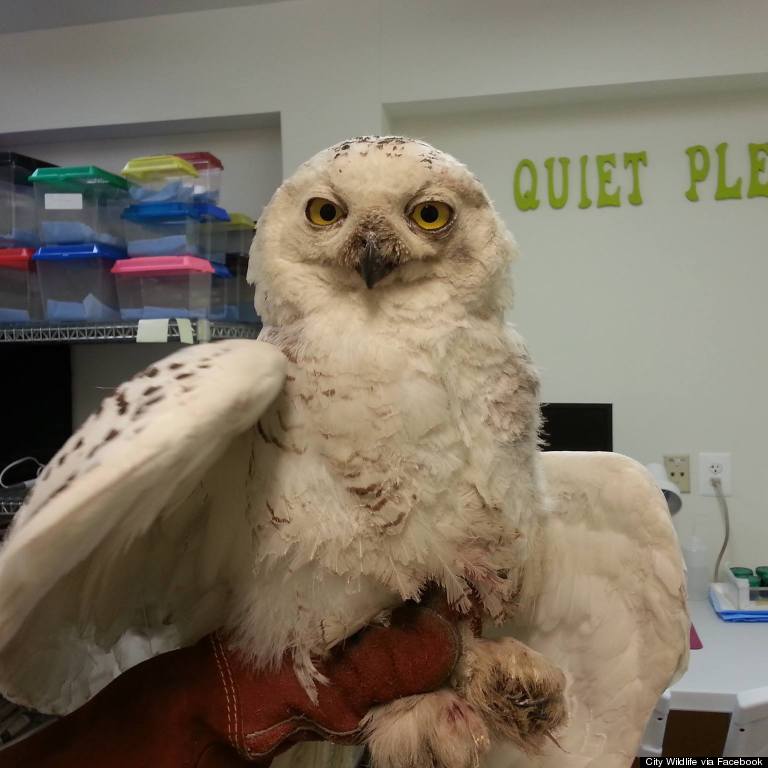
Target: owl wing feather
[119, 552]
[604, 598]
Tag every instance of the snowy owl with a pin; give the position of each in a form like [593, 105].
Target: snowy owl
[381, 436]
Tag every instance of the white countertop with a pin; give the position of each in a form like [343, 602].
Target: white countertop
[734, 658]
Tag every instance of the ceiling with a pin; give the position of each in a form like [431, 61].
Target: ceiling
[24, 15]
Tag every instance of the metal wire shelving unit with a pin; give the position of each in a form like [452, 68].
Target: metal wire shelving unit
[100, 333]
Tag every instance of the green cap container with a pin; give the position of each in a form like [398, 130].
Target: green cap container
[742, 573]
[754, 581]
[81, 178]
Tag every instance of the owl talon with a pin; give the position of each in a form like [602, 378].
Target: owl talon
[437, 730]
[518, 692]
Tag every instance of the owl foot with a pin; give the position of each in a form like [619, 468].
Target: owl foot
[517, 691]
[437, 730]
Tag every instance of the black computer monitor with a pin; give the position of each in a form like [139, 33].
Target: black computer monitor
[577, 426]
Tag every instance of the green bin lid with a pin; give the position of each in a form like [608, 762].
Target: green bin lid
[762, 570]
[81, 178]
[741, 573]
[241, 221]
[754, 581]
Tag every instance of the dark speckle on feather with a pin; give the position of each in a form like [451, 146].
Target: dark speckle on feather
[143, 407]
[276, 521]
[369, 489]
[176, 366]
[393, 523]
[111, 435]
[151, 391]
[183, 375]
[152, 372]
[63, 487]
[122, 403]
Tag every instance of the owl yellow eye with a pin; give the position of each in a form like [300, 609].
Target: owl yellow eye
[323, 212]
[431, 215]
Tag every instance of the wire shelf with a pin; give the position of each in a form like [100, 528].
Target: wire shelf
[100, 333]
[10, 504]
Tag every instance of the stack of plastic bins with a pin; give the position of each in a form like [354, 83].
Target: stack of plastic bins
[168, 229]
[209, 171]
[161, 179]
[76, 281]
[19, 292]
[17, 201]
[163, 286]
[79, 205]
[240, 231]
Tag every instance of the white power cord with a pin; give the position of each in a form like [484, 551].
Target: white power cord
[718, 486]
[26, 483]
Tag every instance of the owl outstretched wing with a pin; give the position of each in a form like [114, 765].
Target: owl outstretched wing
[604, 599]
[126, 545]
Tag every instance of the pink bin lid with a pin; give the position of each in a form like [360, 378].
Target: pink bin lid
[17, 258]
[201, 160]
[162, 265]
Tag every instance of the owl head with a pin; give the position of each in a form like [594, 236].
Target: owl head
[386, 225]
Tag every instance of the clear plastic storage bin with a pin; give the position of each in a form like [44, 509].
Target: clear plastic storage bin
[163, 286]
[240, 231]
[80, 204]
[214, 236]
[18, 225]
[209, 171]
[76, 281]
[19, 292]
[169, 229]
[221, 294]
[241, 294]
[161, 179]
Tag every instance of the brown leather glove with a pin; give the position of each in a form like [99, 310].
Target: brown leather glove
[203, 707]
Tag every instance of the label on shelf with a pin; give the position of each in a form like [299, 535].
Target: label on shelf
[63, 201]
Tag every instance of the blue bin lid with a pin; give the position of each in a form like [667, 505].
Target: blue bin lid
[79, 251]
[219, 270]
[209, 212]
[164, 211]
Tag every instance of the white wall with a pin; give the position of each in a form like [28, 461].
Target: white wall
[602, 293]
[658, 308]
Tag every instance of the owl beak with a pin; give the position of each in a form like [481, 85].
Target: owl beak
[373, 265]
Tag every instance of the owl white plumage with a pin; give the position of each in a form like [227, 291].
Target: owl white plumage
[379, 437]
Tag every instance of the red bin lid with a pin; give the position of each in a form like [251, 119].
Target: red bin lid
[16, 258]
[201, 160]
[162, 266]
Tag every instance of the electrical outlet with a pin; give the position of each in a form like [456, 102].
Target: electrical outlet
[678, 469]
[715, 465]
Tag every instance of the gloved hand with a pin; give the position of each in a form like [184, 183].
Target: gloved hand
[204, 707]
